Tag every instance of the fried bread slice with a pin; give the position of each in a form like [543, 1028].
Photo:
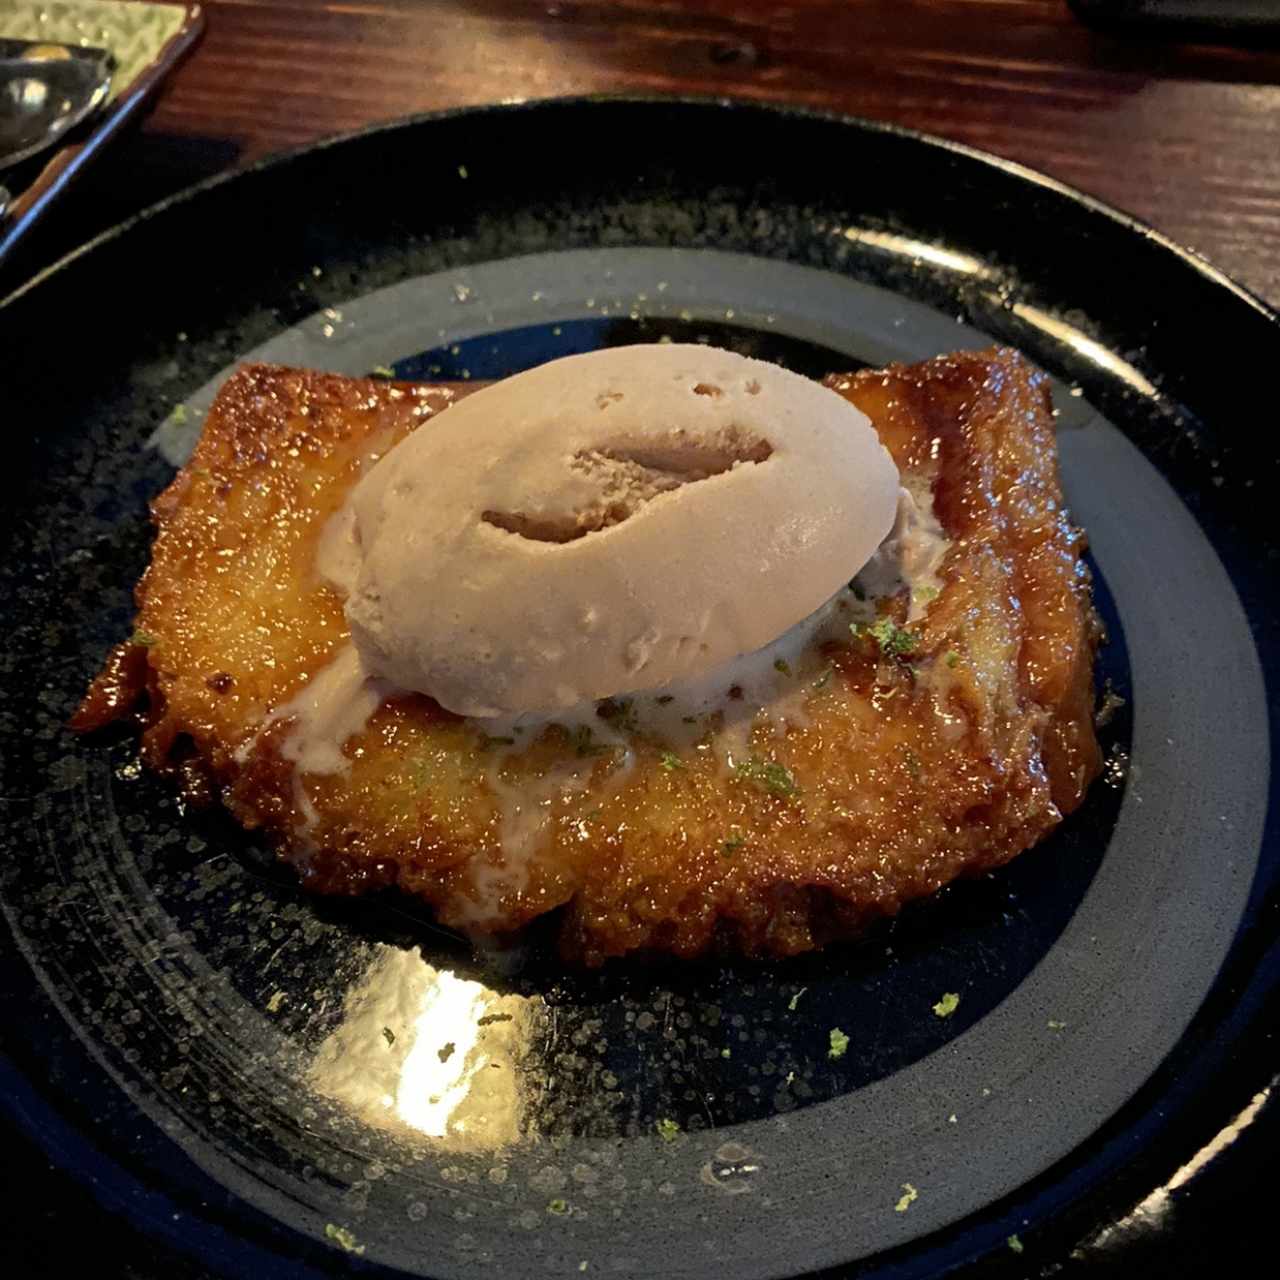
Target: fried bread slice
[914, 760]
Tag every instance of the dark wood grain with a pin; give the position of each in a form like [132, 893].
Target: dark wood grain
[1186, 136]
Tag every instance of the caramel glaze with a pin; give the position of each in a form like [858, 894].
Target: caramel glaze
[911, 770]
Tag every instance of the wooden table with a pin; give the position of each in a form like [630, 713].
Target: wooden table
[1186, 136]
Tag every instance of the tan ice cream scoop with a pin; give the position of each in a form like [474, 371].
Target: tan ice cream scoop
[610, 522]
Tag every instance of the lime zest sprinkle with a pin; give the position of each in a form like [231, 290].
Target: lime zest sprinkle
[558, 1206]
[839, 1044]
[949, 1003]
[795, 999]
[767, 775]
[909, 1196]
[782, 665]
[667, 1129]
[1014, 1243]
[670, 761]
[343, 1237]
[143, 638]
[382, 371]
[894, 641]
[952, 658]
[178, 415]
[730, 846]
[1055, 1025]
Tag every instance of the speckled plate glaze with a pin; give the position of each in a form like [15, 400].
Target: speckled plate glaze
[254, 1082]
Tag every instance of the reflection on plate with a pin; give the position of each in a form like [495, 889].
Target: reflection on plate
[423, 1048]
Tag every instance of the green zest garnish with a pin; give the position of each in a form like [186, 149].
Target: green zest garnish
[668, 1130]
[731, 846]
[894, 641]
[768, 775]
[952, 658]
[925, 594]
[795, 1000]
[839, 1043]
[726, 1053]
[947, 1005]
[382, 371]
[906, 1199]
[389, 1036]
[558, 1207]
[1055, 1025]
[144, 638]
[178, 415]
[1014, 1243]
[781, 664]
[342, 1237]
[670, 761]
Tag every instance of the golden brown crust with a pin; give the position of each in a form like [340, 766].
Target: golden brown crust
[909, 773]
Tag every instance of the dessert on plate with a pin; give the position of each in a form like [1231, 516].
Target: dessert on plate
[695, 652]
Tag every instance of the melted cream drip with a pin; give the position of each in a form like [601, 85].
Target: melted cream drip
[526, 806]
[911, 557]
[332, 707]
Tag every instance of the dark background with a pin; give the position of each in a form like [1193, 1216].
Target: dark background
[1185, 135]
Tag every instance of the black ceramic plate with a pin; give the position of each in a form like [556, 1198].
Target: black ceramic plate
[252, 1082]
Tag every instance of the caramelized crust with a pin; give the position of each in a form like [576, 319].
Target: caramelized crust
[911, 771]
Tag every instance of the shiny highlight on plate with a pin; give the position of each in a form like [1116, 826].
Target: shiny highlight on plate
[1083, 345]
[906, 246]
[424, 1049]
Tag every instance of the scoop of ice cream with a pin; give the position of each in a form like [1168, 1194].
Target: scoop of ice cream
[608, 523]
